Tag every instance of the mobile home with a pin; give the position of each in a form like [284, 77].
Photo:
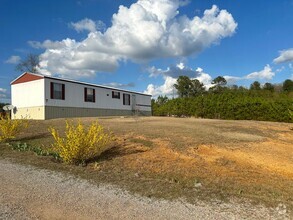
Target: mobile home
[42, 97]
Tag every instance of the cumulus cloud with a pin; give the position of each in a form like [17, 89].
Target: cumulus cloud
[146, 30]
[166, 89]
[285, 56]
[267, 74]
[87, 25]
[13, 60]
[120, 85]
[170, 76]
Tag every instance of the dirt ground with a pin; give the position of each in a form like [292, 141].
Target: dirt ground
[186, 157]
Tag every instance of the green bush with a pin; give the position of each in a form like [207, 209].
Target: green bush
[231, 104]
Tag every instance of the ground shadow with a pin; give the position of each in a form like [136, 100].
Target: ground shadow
[114, 152]
[33, 137]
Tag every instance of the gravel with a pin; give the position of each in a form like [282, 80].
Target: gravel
[27, 192]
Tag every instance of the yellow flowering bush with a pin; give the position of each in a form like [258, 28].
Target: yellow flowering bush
[10, 128]
[80, 143]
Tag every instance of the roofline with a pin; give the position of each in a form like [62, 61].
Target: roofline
[26, 73]
[81, 83]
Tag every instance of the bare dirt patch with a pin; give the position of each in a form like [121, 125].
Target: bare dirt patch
[187, 157]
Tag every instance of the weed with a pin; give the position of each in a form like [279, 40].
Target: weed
[36, 149]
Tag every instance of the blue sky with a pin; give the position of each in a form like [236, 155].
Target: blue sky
[145, 45]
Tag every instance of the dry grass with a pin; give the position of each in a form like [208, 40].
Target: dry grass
[166, 157]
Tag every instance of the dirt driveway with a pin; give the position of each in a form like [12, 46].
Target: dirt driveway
[30, 193]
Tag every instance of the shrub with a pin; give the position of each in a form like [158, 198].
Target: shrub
[10, 128]
[81, 144]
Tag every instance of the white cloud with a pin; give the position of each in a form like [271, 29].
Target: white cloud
[267, 74]
[3, 90]
[173, 71]
[166, 89]
[87, 25]
[120, 85]
[232, 79]
[13, 60]
[147, 30]
[285, 56]
[170, 76]
[2, 95]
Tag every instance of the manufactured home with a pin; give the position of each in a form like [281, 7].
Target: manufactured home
[42, 97]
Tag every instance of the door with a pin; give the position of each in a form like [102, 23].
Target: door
[133, 102]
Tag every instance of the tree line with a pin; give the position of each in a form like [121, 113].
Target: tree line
[270, 102]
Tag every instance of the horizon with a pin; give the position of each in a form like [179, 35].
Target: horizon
[145, 45]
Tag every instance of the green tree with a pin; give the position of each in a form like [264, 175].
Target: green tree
[161, 100]
[288, 85]
[269, 87]
[219, 82]
[255, 86]
[183, 86]
[196, 88]
[29, 64]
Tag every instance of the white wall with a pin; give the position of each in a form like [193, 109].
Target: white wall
[74, 97]
[28, 94]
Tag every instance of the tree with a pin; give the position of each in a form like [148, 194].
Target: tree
[161, 100]
[269, 87]
[219, 82]
[29, 64]
[255, 86]
[196, 88]
[183, 86]
[288, 85]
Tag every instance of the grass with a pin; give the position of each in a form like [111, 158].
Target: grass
[182, 157]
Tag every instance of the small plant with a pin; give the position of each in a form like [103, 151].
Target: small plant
[36, 149]
[10, 128]
[81, 144]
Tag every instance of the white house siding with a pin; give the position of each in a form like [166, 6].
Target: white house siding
[28, 99]
[104, 105]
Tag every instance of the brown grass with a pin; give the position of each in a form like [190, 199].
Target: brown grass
[165, 157]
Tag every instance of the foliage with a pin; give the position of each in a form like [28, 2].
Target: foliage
[269, 87]
[10, 128]
[231, 104]
[36, 149]
[183, 86]
[29, 64]
[219, 84]
[255, 86]
[187, 87]
[288, 85]
[81, 144]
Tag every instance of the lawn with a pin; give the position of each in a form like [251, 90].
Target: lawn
[185, 158]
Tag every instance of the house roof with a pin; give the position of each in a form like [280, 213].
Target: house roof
[27, 77]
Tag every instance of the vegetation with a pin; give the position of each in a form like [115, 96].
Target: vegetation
[10, 128]
[80, 144]
[222, 102]
[29, 64]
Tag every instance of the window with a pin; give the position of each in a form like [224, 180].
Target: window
[126, 99]
[115, 95]
[89, 95]
[57, 91]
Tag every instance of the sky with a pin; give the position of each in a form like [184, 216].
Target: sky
[144, 45]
